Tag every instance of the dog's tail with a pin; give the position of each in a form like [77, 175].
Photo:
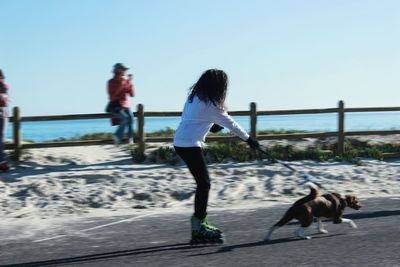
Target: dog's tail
[291, 212]
[314, 193]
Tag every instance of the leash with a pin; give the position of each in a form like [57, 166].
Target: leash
[304, 176]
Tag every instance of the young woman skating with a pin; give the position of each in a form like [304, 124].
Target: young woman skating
[203, 112]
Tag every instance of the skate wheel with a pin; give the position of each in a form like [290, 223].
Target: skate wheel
[220, 241]
[206, 242]
[194, 242]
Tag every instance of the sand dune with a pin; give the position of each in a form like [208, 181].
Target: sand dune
[99, 180]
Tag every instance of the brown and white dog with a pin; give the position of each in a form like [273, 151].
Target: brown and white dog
[329, 205]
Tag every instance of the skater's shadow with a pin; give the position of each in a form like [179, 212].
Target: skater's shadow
[247, 245]
[263, 243]
[107, 255]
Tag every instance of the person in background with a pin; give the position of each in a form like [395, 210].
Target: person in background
[204, 111]
[3, 120]
[119, 88]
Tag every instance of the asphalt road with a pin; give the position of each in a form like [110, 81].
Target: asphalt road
[162, 240]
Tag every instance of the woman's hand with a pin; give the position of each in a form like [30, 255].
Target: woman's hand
[252, 143]
[3, 100]
[215, 128]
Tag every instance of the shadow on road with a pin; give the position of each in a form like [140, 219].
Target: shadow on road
[374, 214]
[362, 215]
[264, 243]
[107, 255]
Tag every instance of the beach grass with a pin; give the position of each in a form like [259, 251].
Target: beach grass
[219, 152]
[239, 152]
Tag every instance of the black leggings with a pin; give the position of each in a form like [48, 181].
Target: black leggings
[194, 159]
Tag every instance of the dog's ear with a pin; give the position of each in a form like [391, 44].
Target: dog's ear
[353, 202]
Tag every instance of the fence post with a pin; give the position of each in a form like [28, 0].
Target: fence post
[341, 134]
[253, 120]
[140, 133]
[17, 133]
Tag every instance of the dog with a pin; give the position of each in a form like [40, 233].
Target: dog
[329, 205]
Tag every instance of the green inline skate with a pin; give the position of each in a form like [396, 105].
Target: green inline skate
[204, 233]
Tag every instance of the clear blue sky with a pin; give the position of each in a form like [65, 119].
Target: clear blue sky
[57, 54]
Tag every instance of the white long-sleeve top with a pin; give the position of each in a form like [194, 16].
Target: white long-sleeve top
[197, 119]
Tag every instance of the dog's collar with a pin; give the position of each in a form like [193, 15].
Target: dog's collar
[342, 201]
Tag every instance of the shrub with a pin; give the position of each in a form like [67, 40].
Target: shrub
[164, 155]
[225, 151]
[136, 155]
[167, 132]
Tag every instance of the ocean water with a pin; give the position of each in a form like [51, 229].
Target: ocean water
[45, 131]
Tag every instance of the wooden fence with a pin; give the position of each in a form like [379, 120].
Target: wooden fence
[140, 137]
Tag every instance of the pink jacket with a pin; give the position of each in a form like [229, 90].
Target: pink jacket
[118, 90]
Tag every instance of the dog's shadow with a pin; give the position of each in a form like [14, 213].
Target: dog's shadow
[295, 238]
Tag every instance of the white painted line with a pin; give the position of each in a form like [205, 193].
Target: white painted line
[50, 238]
[117, 222]
[97, 227]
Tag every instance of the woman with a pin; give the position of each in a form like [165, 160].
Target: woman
[3, 120]
[204, 111]
[118, 90]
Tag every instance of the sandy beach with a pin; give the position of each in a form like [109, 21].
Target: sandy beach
[104, 181]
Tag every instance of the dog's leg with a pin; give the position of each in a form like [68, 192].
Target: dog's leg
[268, 236]
[300, 233]
[321, 228]
[350, 222]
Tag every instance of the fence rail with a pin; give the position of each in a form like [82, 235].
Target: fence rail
[140, 137]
